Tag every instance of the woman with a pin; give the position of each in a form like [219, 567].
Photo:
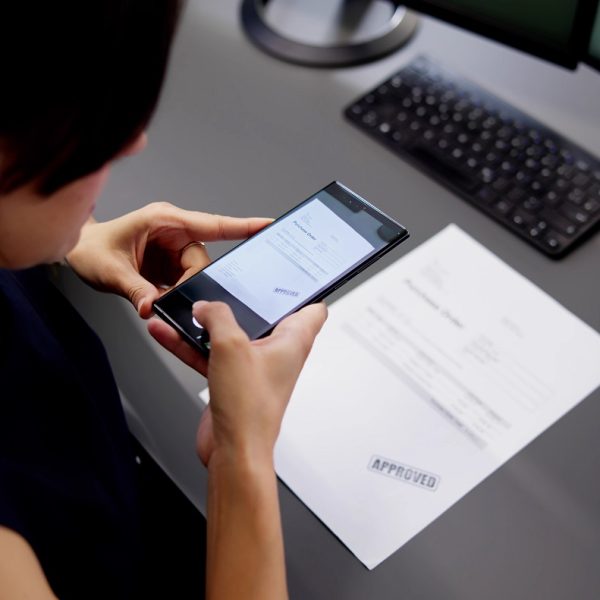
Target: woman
[80, 83]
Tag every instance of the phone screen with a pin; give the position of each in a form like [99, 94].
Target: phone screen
[298, 259]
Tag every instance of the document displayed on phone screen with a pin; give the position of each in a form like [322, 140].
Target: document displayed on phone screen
[293, 259]
[424, 380]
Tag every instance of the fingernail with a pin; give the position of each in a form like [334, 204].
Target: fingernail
[199, 304]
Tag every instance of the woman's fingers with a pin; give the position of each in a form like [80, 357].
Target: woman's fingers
[193, 258]
[167, 337]
[209, 227]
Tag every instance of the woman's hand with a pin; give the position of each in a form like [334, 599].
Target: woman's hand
[145, 252]
[250, 382]
[250, 385]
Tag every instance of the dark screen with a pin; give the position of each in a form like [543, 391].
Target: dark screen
[556, 30]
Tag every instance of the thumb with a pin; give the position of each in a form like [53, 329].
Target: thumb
[141, 294]
[217, 317]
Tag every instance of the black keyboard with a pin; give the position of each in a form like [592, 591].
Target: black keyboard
[520, 172]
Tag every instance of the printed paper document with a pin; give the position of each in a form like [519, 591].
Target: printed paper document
[424, 380]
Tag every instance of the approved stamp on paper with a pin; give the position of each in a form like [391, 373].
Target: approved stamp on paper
[404, 473]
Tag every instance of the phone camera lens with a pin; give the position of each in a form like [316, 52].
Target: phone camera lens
[353, 205]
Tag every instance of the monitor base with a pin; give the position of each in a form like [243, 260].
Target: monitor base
[396, 32]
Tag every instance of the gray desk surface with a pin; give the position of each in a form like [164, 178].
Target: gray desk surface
[240, 133]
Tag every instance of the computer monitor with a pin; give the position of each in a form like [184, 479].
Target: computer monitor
[564, 32]
[559, 31]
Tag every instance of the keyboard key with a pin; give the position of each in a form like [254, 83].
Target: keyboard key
[516, 195]
[522, 218]
[574, 213]
[486, 195]
[535, 232]
[554, 241]
[550, 161]
[552, 198]
[577, 196]
[581, 180]
[523, 177]
[591, 205]
[504, 207]
[501, 184]
[532, 204]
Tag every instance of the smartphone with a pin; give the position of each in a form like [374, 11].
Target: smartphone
[298, 259]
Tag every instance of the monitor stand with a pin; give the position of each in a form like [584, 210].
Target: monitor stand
[327, 33]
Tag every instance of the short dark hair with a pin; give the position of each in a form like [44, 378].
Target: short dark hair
[80, 81]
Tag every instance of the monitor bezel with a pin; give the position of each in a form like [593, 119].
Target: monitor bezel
[592, 8]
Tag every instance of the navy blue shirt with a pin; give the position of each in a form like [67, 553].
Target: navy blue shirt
[67, 481]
